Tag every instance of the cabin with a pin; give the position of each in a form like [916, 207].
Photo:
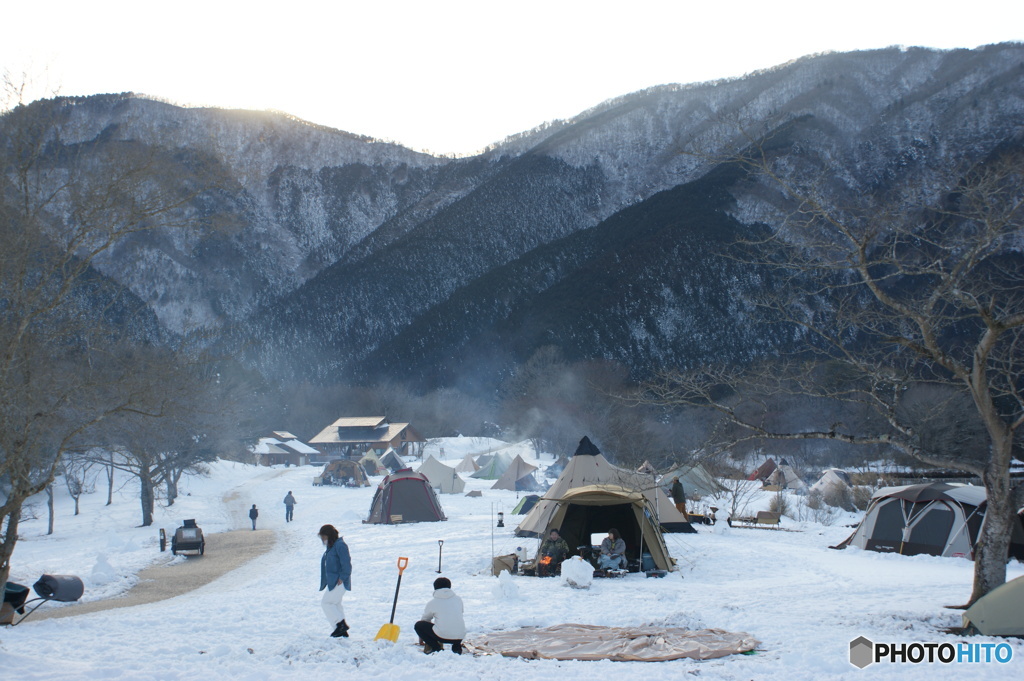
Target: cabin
[281, 447]
[351, 437]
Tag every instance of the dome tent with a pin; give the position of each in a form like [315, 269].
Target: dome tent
[935, 518]
[405, 497]
[1000, 612]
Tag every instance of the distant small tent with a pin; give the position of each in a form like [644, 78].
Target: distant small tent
[833, 481]
[647, 469]
[784, 477]
[555, 469]
[372, 465]
[763, 471]
[935, 518]
[493, 466]
[392, 461]
[525, 504]
[344, 472]
[405, 497]
[467, 465]
[697, 481]
[1000, 612]
[442, 478]
[518, 477]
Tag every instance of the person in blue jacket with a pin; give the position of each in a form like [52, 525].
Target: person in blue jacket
[336, 577]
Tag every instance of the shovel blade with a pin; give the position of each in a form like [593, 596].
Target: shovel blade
[388, 632]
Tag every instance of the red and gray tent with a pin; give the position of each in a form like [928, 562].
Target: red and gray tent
[405, 497]
[931, 518]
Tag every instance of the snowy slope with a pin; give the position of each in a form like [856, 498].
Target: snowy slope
[804, 601]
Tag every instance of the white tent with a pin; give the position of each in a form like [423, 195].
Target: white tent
[784, 477]
[832, 481]
[467, 465]
[697, 481]
[442, 478]
[1000, 612]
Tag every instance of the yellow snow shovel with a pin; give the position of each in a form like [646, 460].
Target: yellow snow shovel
[390, 630]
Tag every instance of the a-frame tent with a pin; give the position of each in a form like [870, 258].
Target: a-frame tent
[372, 465]
[467, 465]
[442, 478]
[696, 480]
[518, 477]
[588, 467]
[404, 497]
[493, 466]
[392, 461]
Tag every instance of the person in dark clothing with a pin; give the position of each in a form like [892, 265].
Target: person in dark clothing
[555, 548]
[336, 577]
[679, 497]
[253, 515]
[289, 507]
[442, 620]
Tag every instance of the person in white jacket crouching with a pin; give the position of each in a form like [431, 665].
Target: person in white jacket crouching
[442, 620]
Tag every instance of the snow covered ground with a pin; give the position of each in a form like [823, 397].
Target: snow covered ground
[803, 601]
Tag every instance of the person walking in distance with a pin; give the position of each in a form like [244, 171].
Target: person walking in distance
[289, 507]
[336, 577]
[253, 515]
[679, 497]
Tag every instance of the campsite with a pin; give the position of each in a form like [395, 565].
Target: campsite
[802, 601]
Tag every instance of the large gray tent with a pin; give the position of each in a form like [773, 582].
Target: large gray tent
[404, 497]
[931, 518]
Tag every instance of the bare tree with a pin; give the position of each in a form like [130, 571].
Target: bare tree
[67, 198]
[909, 304]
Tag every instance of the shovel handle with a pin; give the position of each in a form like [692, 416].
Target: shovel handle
[402, 562]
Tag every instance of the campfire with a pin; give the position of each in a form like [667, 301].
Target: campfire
[546, 560]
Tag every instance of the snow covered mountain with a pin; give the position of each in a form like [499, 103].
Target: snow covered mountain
[352, 258]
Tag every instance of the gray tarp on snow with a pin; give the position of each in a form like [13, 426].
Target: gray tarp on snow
[620, 644]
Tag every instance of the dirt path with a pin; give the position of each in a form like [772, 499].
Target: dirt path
[225, 551]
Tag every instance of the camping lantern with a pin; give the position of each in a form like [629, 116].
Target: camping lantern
[501, 519]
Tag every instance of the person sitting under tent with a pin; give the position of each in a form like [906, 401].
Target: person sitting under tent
[553, 551]
[613, 552]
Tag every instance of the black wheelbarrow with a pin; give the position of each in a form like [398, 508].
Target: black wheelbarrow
[60, 588]
[188, 539]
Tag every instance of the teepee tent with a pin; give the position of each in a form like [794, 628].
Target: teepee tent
[404, 497]
[467, 465]
[442, 478]
[518, 477]
[763, 471]
[1000, 612]
[492, 466]
[587, 466]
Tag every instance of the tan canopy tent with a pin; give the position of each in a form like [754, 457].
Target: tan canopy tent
[1000, 612]
[343, 472]
[697, 481]
[583, 511]
[442, 478]
[518, 477]
[589, 467]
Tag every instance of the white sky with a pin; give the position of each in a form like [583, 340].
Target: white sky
[451, 75]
